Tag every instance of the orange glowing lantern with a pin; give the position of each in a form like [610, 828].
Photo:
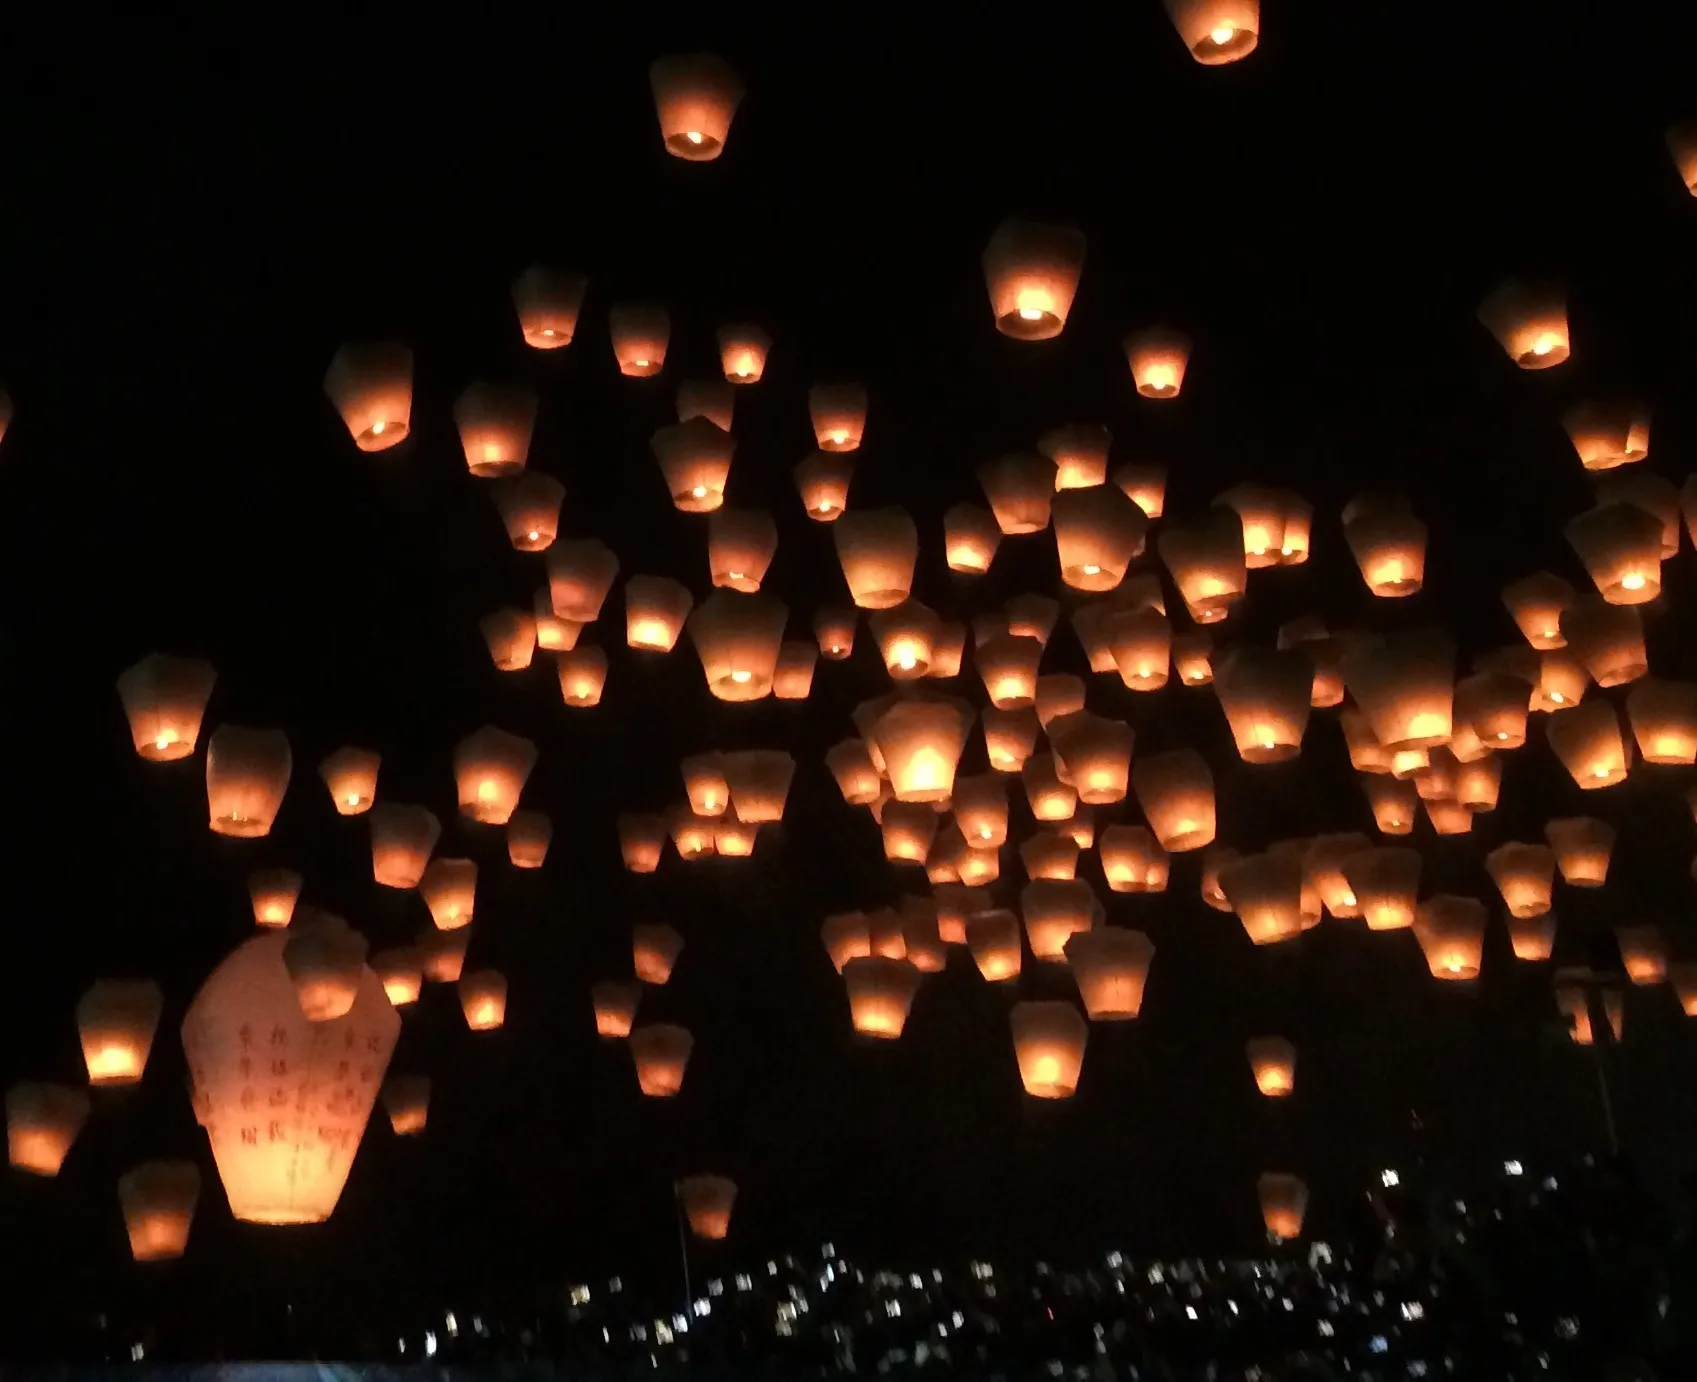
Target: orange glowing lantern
[834, 628]
[1111, 968]
[1477, 784]
[491, 767]
[993, 938]
[1008, 665]
[1053, 911]
[1261, 511]
[1205, 558]
[42, 1121]
[1493, 705]
[1560, 684]
[1080, 454]
[948, 651]
[922, 935]
[116, 1019]
[1158, 357]
[1532, 938]
[402, 837]
[1145, 485]
[1524, 875]
[165, 700]
[158, 1199]
[370, 384]
[1451, 933]
[553, 634]
[759, 780]
[1215, 858]
[1644, 489]
[1176, 792]
[823, 483]
[1141, 642]
[1058, 694]
[909, 829]
[1048, 1042]
[511, 635]
[852, 767]
[661, 1052]
[1265, 696]
[696, 96]
[1582, 846]
[1393, 803]
[1588, 741]
[583, 675]
[655, 948]
[877, 549]
[707, 1202]
[740, 545]
[847, 936]
[529, 833]
[655, 610]
[1095, 753]
[1385, 880]
[1273, 1060]
[955, 903]
[1537, 602]
[273, 893]
[1284, 1198]
[1529, 322]
[880, 993]
[549, 302]
[615, 1002]
[695, 459]
[1682, 144]
[1192, 658]
[1323, 868]
[449, 890]
[839, 415]
[792, 677]
[640, 333]
[580, 573]
[325, 959]
[400, 969]
[483, 999]
[529, 506]
[1683, 977]
[1621, 546]
[970, 539]
[641, 840]
[406, 1099]
[920, 742]
[1664, 719]
[1405, 687]
[444, 954]
[1051, 799]
[1132, 862]
[705, 785]
[981, 810]
[247, 772]
[906, 635]
[1643, 953]
[495, 422]
[1050, 854]
[1031, 270]
[1265, 890]
[1388, 543]
[742, 352]
[1021, 490]
[1010, 736]
[1098, 531]
[737, 637]
[1095, 626]
[1608, 433]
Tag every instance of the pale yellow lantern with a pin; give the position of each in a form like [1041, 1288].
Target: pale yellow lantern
[549, 303]
[655, 948]
[970, 539]
[839, 415]
[1132, 861]
[823, 480]
[1493, 705]
[1273, 1061]
[1451, 932]
[449, 890]
[1031, 270]
[1020, 487]
[880, 993]
[877, 549]
[737, 637]
[1529, 321]
[742, 352]
[370, 384]
[1608, 433]
[490, 768]
[695, 459]
[116, 1019]
[1588, 741]
[273, 893]
[920, 742]
[511, 636]
[640, 333]
[759, 780]
[1664, 719]
[165, 700]
[247, 773]
[158, 1199]
[615, 1002]
[1405, 687]
[406, 1099]
[1145, 484]
[1621, 546]
[1010, 736]
[495, 423]
[583, 675]
[1386, 882]
[1265, 695]
[641, 841]
[1524, 875]
[1284, 1198]
[1080, 453]
[707, 1203]
[1048, 1042]
[1205, 558]
[1175, 790]
[1095, 753]
[529, 506]
[400, 969]
[1643, 953]
[42, 1122]
[402, 837]
[580, 573]
[1111, 968]
[740, 546]
[655, 610]
[1388, 543]
[1532, 938]
[661, 1052]
[1049, 854]
[1098, 531]
[1583, 846]
[713, 399]
[834, 628]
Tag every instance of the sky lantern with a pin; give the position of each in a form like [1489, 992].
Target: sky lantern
[655, 948]
[42, 1121]
[1451, 932]
[970, 538]
[909, 829]
[1388, 543]
[948, 850]
[1284, 1197]
[1053, 911]
[116, 1019]
[1094, 623]
[1261, 511]
[580, 573]
[325, 958]
[402, 837]
[1145, 484]
[400, 969]
[1663, 715]
[641, 840]
[833, 626]
[1175, 790]
[1448, 817]
[839, 415]
[880, 993]
[661, 1052]
[1393, 803]
[1058, 694]
[733, 839]
[1532, 938]
[847, 936]
[495, 422]
[705, 784]
[1323, 867]
[1192, 657]
[444, 954]
[1032, 616]
[1608, 433]
[1621, 546]
[955, 903]
[980, 867]
[640, 332]
[1049, 854]
[553, 634]
[1524, 875]
[1098, 531]
[1080, 453]
[993, 937]
[921, 742]
[370, 384]
[1215, 858]
[1096, 752]
[449, 890]
[1607, 639]
[1265, 890]
[1273, 1061]
[289, 1165]
[1111, 968]
[737, 637]
[1643, 953]
[511, 636]
[1205, 557]
[877, 549]
[529, 834]
[1310, 636]
[1008, 665]
[247, 772]
[1132, 861]
[1386, 881]
[707, 1203]
[491, 767]
[922, 935]
[529, 506]
[165, 699]
[713, 399]
[1141, 642]
[906, 635]
[740, 546]
[759, 780]
[549, 302]
[742, 352]
[695, 460]
[1561, 682]
[1682, 144]
[615, 1002]
[852, 767]
[1529, 321]
[1021, 489]
[1478, 784]
[1050, 797]
[158, 1199]
[483, 999]
[273, 893]
[1574, 1005]
[1588, 741]
[1048, 1042]
[1265, 695]
[696, 96]
[981, 809]
[948, 651]
[1031, 270]
[1299, 528]
[406, 1099]
[1405, 687]
[822, 480]
[792, 677]
[1536, 602]
[655, 610]
[1582, 846]
[1493, 705]
[1683, 977]
[1646, 490]
[1158, 357]
[1010, 736]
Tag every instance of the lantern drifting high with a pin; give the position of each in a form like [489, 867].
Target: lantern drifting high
[1265, 695]
[1158, 357]
[1532, 938]
[483, 999]
[1205, 557]
[695, 96]
[511, 636]
[1008, 666]
[955, 903]
[880, 993]
[549, 302]
[325, 958]
[1261, 512]
[1529, 322]
[655, 610]
[1393, 803]
[1053, 912]
[529, 833]
[1284, 1203]
[1216, 32]
[1560, 683]
[1537, 602]
[1098, 531]
[1058, 694]
[1192, 657]
[1682, 144]
[158, 1199]
[713, 399]
[1049, 854]
[1643, 954]
[402, 837]
[742, 352]
[1080, 453]
[852, 767]
[273, 893]
[1096, 754]
[615, 1003]
[740, 546]
[400, 969]
[165, 699]
[1031, 270]
[906, 635]
[737, 637]
[1664, 719]
[822, 480]
[491, 768]
[1524, 875]
[839, 415]
[370, 384]
[449, 890]
[1141, 643]
[580, 573]
[1265, 890]
[247, 772]
[406, 1099]
[1642, 488]
[116, 1020]
[1176, 792]
[695, 460]
[1132, 862]
[1588, 741]
[443, 953]
[1388, 543]
[1621, 546]
[529, 506]
[759, 781]
[1020, 487]
[1582, 846]
[970, 538]
[289, 1166]
[641, 841]
[1048, 1041]
[707, 1202]
[1385, 880]
[921, 742]
[495, 422]
[1608, 433]
[1273, 1061]
[1010, 736]
[661, 1052]
[909, 829]
[42, 1122]
[1493, 705]
[792, 676]
[1451, 932]
[1051, 797]
[1111, 968]
[641, 333]
[981, 810]
[1405, 687]
[877, 549]
[1145, 484]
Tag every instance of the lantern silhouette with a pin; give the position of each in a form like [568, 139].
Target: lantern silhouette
[165, 700]
[370, 384]
[1494, 706]
[400, 969]
[583, 675]
[1582, 846]
[1021, 491]
[696, 96]
[823, 480]
[1532, 938]
[909, 828]
[444, 954]
[1205, 558]
[1663, 715]
[1008, 666]
[1587, 739]
[449, 890]
[792, 675]
[742, 352]
[1058, 694]
[839, 415]
[496, 422]
[406, 1099]
[1158, 357]
[880, 992]
[1451, 932]
[1098, 531]
[1132, 862]
[1048, 1042]
[1111, 967]
[1621, 546]
[1080, 454]
[1323, 868]
[707, 1203]
[1642, 488]
[491, 767]
[483, 999]
[1388, 543]
[921, 743]
[641, 841]
[661, 1052]
[737, 638]
[1529, 322]
[877, 549]
[1050, 798]
[116, 1019]
[1176, 793]
[402, 837]
[1608, 433]
[529, 834]
[615, 1003]
[970, 538]
[247, 772]
[158, 1199]
[529, 506]
[1145, 485]
[549, 302]
[273, 893]
[42, 1121]
[1265, 696]
[1031, 270]
[655, 610]
[851, 766]
[713, 399]
[1682, 144]
[1385, 880]
[1537, 602]
[1096, 753]
[1049, 854]
[1273, 1061]
[1524, 875]
[580, 573]
[906, 635]
[695, 460]
[287, 1165]
[1265, 890]
[1284, 1198]
[641, 332]
[1643, 954]
[759, 780]
[1477, 784]
[655, 948]
[511, 636]
[981, 810]
[1405, 687]
[846, 937]
[1009, 737]
[325, 959]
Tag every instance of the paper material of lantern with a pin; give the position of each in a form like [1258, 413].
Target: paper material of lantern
[1561, 682]
[947, 651]
[1050, 797]
[406, 1099]
[1080, 454]
[1608, 433]
[1176, 793]
[1393, 803]
[1158, 357]
[1095, 626]
[1081, 825]
[1098, 531]
[922, 935]
[692, 835]
[325, 959]
[846, 937]
[734, 839]
[1582, 846]
[1299, 526]
[909, 828]
[1388, 543]
[707, 1202]
[1020, 487]
[981, 810]
[920, 743]
[580, 573]
[1588, 741]
[1323, 868]
[839, 415]
[1111, 968]
[1145, 485]
[1284, 1203]
[1643, 954]
[640, 334]
[1205, 558]
[1642, 488]
[449, 890]
[852, 767]
[1008, 665]
[1683, 978]
[273, 893]
[759, 780]
[615, 1003]
[661, 1052]
[1265, 695]
[165, 699]
[549, 302]
[695, 460]
[1132, 862]
[284, 1101]
[1448, 817]
[641, 840]
[1385, 880]
[1663, 715]
[42, 1121]
[822, 480]
[1265, 890]
[247, 772]
[583, 676]
[1478, 784]
[1273, 1061]
[906, 635]
[370, 384]
[742, 352]
[696, 97]
[1053, 911]
[1141, 644]
[1532, 938]
[1493, 705]
[495, 423]
[1096, 754]
[655, 610]
[1529, 321]
[1261, 512]
[1524, 875]
[1310, 910]
[880, 992]
[970, 539]
[158, 1199]
[529, 506]
[1192, 658]
[1682, 144]
[402, 837]
[792, 675]
[1621, 546]
[1536, 602]
[1405, 687]
[1215, 858]
[713, 399]
[529, 833]
[116, 1019]
[1048, 1041]
[1049, 854]
[980, 867]
[877, 549]
[955, 903]
[1009, 737]
[740, 546]
[1058, 694]
[351, 776]
[511, 636]
[444, 954]
[1451, 932]
[1031, 270]
[400, 969]
[491, 768]
[483, 999]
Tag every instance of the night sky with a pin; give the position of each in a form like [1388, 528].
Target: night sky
[192, 229]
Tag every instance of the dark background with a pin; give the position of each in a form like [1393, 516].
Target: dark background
[194, 220]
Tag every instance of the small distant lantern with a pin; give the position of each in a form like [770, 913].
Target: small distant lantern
[1537, 602]
[641, 841]
[1008, 665]
[42, 1122]
[696, 96]
[1111, 968]
[1032, 616]
[1608, 433]
[1682, 144]
[1448, 817]
[1205, 558]
[1080, 454]
[1132, 861]
[1053, 911]
[1643, 953]
[495, 422]
[483, 999]
[1098, 531]
[1273, 1061]
[325, 960]
[880, 992]
[511, 635]
[970, 538]
[116, 1019]
[165, 700]
[553, 634]
[707, 1202]
[1031, 270]
[402, 837]
[491, 767]
[1621, 546]
[792, 677]
[955, 903]
[661, 1052]
[1058, 694]
[655, 948]
[247, 772]
[580, 573]
[449, 890]
[1048, 1041]
[993, 938]
[839, 415]
[1529, 322]
[921, 743]
[742, 352]
[737, 638]
[906, 635]
[705, 784]
[834, 628]
[529, 506]
[1524, 875]
[400, 969]
[444, 954]
[712, 399]
[1583, 846]
[1021, 490]
[1261, 511]
[1478, 784]
[1176, 791]
[1050, 798]
[1385, 880]
[1049, 854]
[877, 549]
[273, 893]
[1145, 485]
[1588, 741]
[529, 834]
[695, 459]
[1158, 357]
[158, 1199]
[1560, 684]
[1265, 695]
[655, 610]
[1010, 736]
[1405, 687]
[981, 810]
[1392, 801]
[370, 384]
[1532, 938]
[615, 1002]
[823, 481]
[759, 780]
[1265, 890]
[1664, 719]
[1451, 932]
[1388, 543]
[1494, 706]
[1216, 858]
[1097, 754]
[909, 828]
[406, 1099]
[549, 302]
[1284, 1201]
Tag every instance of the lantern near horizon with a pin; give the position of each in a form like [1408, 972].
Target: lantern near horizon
[743, 349]
[1529, 321]
[370, 384]
[1098, 531]
[1205, 557]
[402, 837]
[1031, 270]
[42, 1123]
[1048, 1041]
[549, 302]
[406, 1099]
[877, 549]
[707, 1203]
[495, 422]
[1020, 488]
[164, 699]
[158, 1199]
[273, 893]
[1284, 1203]
[695, 460]
[696, 97]
[661, 1052]
[490, 769]
[880, 994]
[529, 506]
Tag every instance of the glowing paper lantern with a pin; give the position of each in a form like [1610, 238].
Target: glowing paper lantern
[839, 415]
[947, 651]
[1051, 798]
[158, 1199]
[273, 893]
[696, 96]
[1192, 658]
[707, 1202]
[1587, 739]
[655, 610]
[325, 958]
[792, 676]
[1096, 753]
[906, 635]
[1388, 543]
[955, 903]
[483, 1000]
[846, 937]
[1265, 696]
[615, 1003]
[1664, 719]
[1560, 683]
[970, 538]
[1009, 737]
[695, 459]
[705, 784]
[247, 772]
[1098, 531]
[712, 399]
[1537, 602]
[1448, 817]
[1582, 846]
[1284, 1198]
[583, 675]
[1608, 433]
[1008, 665]
[981, 810]
[42, 1121]
[1524, 875]
[1478, 784]
[495, 422]
[1145, 485]
[402, 837]
[1048, 1042]
[1058, 694]
[1529, 322]
[880, 993]
[580, 573]
[449, 889]
[1176, 793]
[370, 384]
[1385, 880]
[1095, 625]
[921, 743]
[165, 700]
[549, 302]
[529, 506]
[1405, 687]
[1682, 144]
[1642, 488]
[1493, 705]
[444, 954]
[529, 834]
[641, 840]
[655, 948]
[1532, 938]
[1451, 932]
[511, 636]
[491, 767]
[406, 1099]
[852, 767]
[283, 1150]
[759, 780]
[1205, 558]
[1053, 911]
[1141, 643]
[1111, 967]
[742, 352]
[1031, 270]
[116, 1019]
[1273, 1060]
[877, 549]
[1323, 869]
[1643, 953]
[834, 628]
[1132, 862]
[737, 637]
[1265, 890]
[1021, 490]
[823, 483]
[922, 935]
[1158, 357]
[1621, 546]
[661, 1052]
[909, 828]
[400, 969]
[1392, 802]
[553, 634]
[1049, 854]
[1261, 511]
[1080, 454]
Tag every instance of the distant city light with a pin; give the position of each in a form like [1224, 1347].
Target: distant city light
[429, 1343]
[1388, 1178]
[1511, 1168]
[1190, 1312]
